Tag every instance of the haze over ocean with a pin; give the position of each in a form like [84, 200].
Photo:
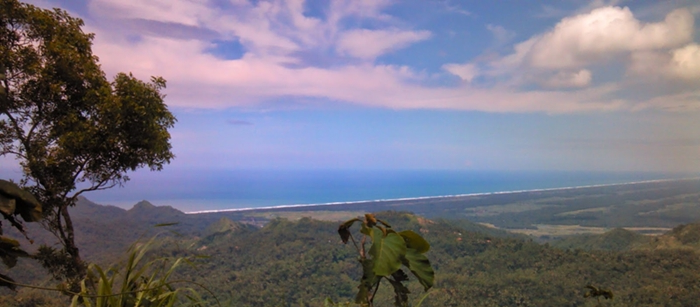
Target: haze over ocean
[232, 189]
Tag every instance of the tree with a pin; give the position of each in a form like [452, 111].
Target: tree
[71, 130]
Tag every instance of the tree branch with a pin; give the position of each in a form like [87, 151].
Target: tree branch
[98, 187]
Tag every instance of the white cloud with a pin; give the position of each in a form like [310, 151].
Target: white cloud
[369, 44]
[565, 79]
[188, 12]
[549, 11]
[568, 55]
[500, 34]
[685, 62]
[600, 35]
[466, 72]
[649, 64]
[680, 64]
[595, 4]
[453, 8]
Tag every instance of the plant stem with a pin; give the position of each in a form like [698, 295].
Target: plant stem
[354, 243]
[362, 247]
[370, 299]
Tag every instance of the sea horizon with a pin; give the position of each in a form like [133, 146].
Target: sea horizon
[221, 191]
[436, 197]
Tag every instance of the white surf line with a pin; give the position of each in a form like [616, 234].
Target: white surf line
[436, 197]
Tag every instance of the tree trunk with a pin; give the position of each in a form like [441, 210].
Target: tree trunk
[69, 244]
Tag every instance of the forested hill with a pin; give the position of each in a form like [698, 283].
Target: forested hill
[685, 236]
[108, 230]
[302, 262]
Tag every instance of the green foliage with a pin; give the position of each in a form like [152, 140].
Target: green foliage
[300, 263]
[136, 283]
[688, 234]
[57, 261]
[66, 123]
[388, 252]
[617, 239]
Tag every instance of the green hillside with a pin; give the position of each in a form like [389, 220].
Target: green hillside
[618, 239]
[303, 262]
[685, 236]
[300, 263]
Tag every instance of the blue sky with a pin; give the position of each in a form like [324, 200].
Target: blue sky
[484, 85]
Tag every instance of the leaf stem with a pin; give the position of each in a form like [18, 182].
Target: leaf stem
[371, 298]
[354, 243]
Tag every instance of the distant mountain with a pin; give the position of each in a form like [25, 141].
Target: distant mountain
[84, 208]
[147, 212]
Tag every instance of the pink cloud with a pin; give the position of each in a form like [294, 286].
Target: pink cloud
[369, 44]
[273, 32]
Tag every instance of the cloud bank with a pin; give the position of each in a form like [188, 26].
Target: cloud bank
[341, 51]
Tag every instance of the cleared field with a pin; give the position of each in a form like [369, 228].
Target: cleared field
[591, 210]
[568, 230]
[672, 208]
[318, 215]
[559, 230]
[508, 208]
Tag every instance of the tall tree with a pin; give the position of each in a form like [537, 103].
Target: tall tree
[71, 129]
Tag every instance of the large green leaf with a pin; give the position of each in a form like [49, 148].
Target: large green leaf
[415, 241]
[387, 252]
[420, 267]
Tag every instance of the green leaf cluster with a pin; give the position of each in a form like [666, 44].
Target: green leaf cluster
[136, 283]
[390, 250]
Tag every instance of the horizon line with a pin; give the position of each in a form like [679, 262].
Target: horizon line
[434, 197]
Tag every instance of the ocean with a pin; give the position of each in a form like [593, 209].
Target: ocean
[237, 189]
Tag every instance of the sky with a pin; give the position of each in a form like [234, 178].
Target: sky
[377, 84]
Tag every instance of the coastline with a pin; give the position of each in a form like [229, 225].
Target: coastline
[436, 197]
